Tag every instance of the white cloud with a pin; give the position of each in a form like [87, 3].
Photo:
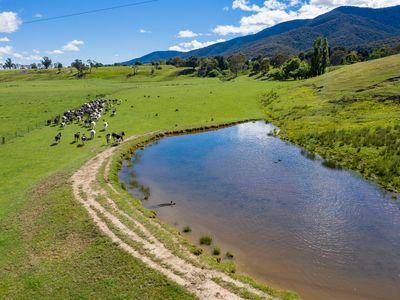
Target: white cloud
[4, 39]
[57, 51]
[26, 57]
[226, 8]
[144, 31]
[17, 55]
[193, 45]
[38, 16]
[35, 51]
[6, 50]
[187, 34]
[276, 11]
[9, 22]
[69, 47]
[245, 5]
[73, 46]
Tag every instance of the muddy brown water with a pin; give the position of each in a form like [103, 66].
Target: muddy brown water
[290, 221]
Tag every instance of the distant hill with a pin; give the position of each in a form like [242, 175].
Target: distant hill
[346, 26]
[158, 55]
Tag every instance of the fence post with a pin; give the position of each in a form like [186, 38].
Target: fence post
[3, 140]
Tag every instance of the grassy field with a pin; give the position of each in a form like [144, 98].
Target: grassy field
[349, 116]
[49, 246]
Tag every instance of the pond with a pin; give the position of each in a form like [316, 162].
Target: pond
[289, 220]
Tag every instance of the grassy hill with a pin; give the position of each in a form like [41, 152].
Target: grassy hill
[350, 116]
[51, 249]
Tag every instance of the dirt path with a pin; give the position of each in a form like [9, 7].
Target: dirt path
[116, 223]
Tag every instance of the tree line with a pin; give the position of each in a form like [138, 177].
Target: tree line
[47, 63]
[280, 66]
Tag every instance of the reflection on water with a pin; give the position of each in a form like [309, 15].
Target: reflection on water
[325, 233]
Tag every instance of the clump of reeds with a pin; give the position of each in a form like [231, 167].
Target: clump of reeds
[205, 240]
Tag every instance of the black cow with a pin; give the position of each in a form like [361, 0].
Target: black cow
[77, 136]
[108, 138]
[118, 137]
[57, 138]
[84, 139]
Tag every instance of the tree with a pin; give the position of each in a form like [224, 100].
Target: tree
[59, 66]
[8, 64]
[156, 65]
[192, 62]
[338, 55]
[325, 55]
[363, 54]
[135, 69]
[278, 60]
[46, 62]
[91, 64]
[222, 63]
[351, 58]
[79, 66]
[176, 61]
[320, 57]
[207, 65]
[277, 74]
[303, 71]
[138, 63]
[255, 67]
[265, 66]
[33, 66]
[378, 53]
[290, 67]
[236, 63]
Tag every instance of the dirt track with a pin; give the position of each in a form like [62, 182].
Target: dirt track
[116, 223]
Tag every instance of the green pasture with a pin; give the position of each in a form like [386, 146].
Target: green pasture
[49, 246]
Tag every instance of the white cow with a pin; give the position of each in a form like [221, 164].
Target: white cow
[92, 134]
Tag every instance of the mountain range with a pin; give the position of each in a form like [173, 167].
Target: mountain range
[346, 26]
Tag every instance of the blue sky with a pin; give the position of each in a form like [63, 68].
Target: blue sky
[122, 34]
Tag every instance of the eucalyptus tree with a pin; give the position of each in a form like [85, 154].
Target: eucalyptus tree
[236, 63]
[79, 66]
[59, 66]
[46, 62]
[8, 64]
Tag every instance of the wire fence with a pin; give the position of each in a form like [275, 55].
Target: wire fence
[6, 138]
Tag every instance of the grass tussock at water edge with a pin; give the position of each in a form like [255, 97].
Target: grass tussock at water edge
[205, 240]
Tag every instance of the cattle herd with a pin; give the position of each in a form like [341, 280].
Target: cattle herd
[87, 116]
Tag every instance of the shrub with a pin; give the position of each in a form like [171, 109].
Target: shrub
[205, 240]
[187, 228]
[196, 250]
[214, 73]
[229, 255]
[216, 251]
